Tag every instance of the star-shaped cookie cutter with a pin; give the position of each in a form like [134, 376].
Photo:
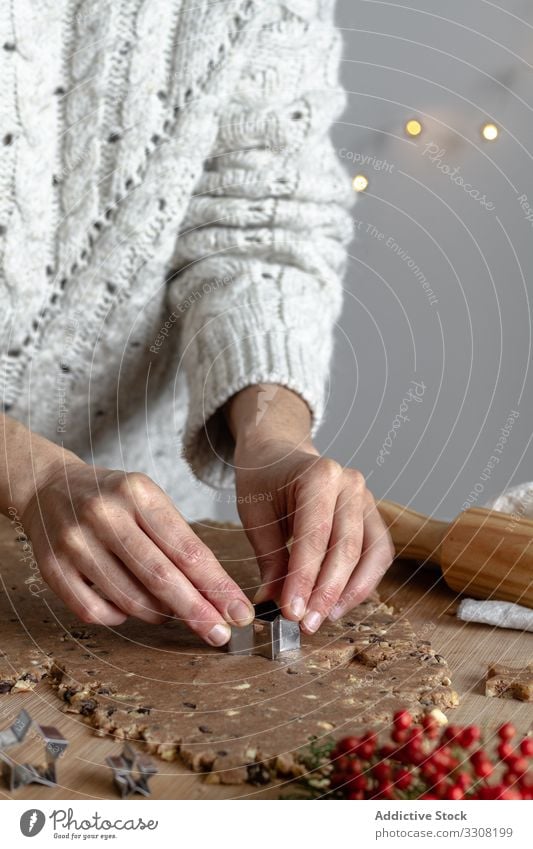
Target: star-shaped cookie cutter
[131, 771]
[269, 635]
[17, 775]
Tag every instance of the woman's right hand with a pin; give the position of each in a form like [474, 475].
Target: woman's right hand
[111, 545]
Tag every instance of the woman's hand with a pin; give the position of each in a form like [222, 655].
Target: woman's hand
[113, 545]
[341, 547]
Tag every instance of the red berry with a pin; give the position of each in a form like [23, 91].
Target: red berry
[403, 779]
[427, 772]
[506, 731]
[387, 751]
[358, 782]
[413, 753]
[483, 769]
[486, 793]
[442, 758]
[355, 767]
[347, 745]
[497, 790]
[455, 792]
[431, 728]
[428, 796]
[508, 778]
[509, 794]
[381, 771]
[366, 750]
[356, 794]
[337, 778]
[469, 735]
[452, 732]
[464, 780]
[440, 775]
[505, 750]
[526, 747]
[385, 790]
[402, 719]
[440, 785]
[365, 746]
[399, 735]
[518, 765]
[482, 765]
[416, 733]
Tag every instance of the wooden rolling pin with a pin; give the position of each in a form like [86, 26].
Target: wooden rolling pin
[482, 553]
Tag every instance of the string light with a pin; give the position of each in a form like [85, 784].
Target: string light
[489, 132]
[360, 182]
[413, 127]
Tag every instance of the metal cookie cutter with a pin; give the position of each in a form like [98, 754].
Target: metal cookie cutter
[269, 635]
[15, 774]
[131, 771]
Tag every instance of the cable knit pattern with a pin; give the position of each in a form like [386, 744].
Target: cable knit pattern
[166, 166]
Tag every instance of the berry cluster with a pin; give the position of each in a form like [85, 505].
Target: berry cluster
[427, 761]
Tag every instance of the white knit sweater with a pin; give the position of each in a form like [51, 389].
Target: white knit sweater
[173, 222]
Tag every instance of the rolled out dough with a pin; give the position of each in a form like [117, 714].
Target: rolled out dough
[236, 718]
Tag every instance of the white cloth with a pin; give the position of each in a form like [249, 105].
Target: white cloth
[173, 222]
[504, 614]
[518, 501]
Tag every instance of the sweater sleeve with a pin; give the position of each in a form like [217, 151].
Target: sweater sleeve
[262, 250]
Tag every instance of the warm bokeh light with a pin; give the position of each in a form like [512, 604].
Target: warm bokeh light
[360, 182]
[489, 132]
[413, 127]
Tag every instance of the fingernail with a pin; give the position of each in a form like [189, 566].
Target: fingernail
[336, 612]
[240, 612]
[298, 606]
[312, 621]
[219, 635]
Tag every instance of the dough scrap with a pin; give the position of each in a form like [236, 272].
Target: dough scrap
[507, 682]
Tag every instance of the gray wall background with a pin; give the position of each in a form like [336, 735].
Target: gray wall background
[454, 66]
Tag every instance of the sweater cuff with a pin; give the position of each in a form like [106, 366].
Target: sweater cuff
[224, 364]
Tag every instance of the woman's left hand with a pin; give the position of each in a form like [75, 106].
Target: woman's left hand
[341, 547]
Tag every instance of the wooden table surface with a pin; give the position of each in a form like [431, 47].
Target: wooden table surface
[417, 593]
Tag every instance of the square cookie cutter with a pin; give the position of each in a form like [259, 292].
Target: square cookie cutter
[269, 635]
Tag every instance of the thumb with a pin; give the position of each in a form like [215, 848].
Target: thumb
[267, 540]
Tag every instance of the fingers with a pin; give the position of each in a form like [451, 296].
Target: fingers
[112, 578]
[346, 542]
[159, 575]
[161, 578]
[84, 602]
[183, 549]
[378, 554]
[268, 543]
[316, 497]
[146, 571]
